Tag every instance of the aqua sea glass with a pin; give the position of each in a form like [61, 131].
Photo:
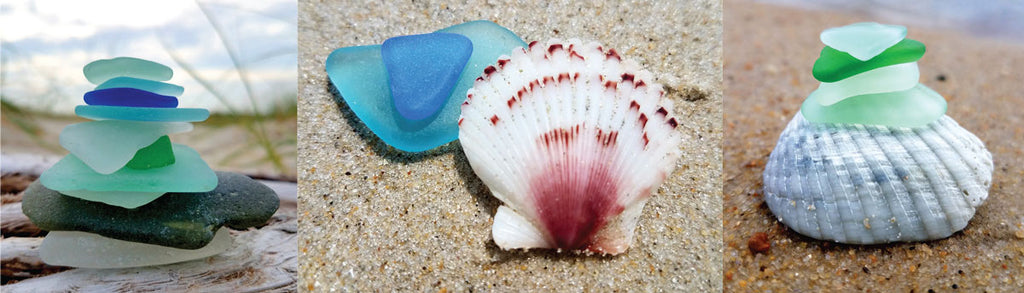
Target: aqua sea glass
[189, 173]
[863, 40]
[130, 97]
[833, 65]
[153, 86]
[155, 155]
[915, 107]
[124, 199]
[422, 71]
[88, 250]
[886, 79]
[101, 70]
[142, 113]
[361, 78]
[108, 145]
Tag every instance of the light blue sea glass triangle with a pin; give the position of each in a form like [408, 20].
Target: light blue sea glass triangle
[101, 70]
[189, 173]
[361, 78]
[863, 40]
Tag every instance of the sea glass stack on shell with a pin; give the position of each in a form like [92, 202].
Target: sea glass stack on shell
[408, 90]
[126, 196]
[871, 158]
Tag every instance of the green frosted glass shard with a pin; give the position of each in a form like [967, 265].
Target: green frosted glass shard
[188, 174]
[143, 84]
[101, 70]
[124, 199]
[108, 145]
[156, 155]
[834, 65]
[915, 107]
[886, 79]
[863, 40]
[88, 250]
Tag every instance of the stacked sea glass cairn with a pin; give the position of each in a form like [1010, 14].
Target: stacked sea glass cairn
[408, 90]
[868, 73]
[126, 196]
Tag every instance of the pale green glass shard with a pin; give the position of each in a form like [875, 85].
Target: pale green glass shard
[108, 145]
[188, 174]
[124, 199]
[88, 250]
[143, 84]
[863, 40]
[915, 107]
[886, 79]
[101, 70]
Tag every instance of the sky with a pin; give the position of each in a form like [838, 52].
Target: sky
[45, 44]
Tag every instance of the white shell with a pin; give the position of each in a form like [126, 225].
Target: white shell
[573, 141]
[864, 184]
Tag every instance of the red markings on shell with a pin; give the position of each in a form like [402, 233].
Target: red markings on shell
[573, 211]
[494, 120]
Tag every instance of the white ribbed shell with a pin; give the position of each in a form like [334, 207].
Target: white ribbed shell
[864, 184]
[567, 132]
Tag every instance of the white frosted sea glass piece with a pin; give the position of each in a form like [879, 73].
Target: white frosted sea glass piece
[892, 78]
[107, 145]
[863, 40]
[87, 250]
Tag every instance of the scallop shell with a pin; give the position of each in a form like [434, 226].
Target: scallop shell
[573, 140]
[864, 184]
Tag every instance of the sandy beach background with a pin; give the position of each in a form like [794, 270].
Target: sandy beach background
[769, 52]
[374, 217]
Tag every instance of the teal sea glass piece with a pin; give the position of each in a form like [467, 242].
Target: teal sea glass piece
[886, 79]
[422, 71]
[153, 86]
[100, 71]
[915, 107]
[182, 220]
[360, 76]
[863, 40]
[189, 173]
[124, 199]
[142, 113]
[126, 96]
[107, 145]
[833, 65]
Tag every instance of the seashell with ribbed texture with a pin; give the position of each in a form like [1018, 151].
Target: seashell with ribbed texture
[865, 184]
[573, 140]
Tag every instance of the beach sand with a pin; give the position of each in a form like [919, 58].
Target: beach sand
[373, 217]
[769, 52]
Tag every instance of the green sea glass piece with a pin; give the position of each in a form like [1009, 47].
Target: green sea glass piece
[886, 79]
[915, 107]
[100, 71]
[108, 145]
[181, 220]
[156, 155]
[189, 173]
[834, 65]
[124, 199]
[96, 112]
[88, 250]
[153, 86]
[863, 40]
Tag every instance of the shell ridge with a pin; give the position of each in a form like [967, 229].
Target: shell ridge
[921, 155]
[823, 206]
[953, 163]
[978, 160]
[854, 224]
[890, 194]
[904, 216]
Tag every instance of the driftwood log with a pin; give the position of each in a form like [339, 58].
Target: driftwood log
[261, 260]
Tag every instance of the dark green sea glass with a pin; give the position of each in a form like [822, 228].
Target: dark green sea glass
[834, 65]
[156, 155]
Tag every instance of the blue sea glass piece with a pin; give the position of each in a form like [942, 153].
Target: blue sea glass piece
[360, 76]
[101, 70]
[142, 113]
[153, 86]
[189, 173]
[422, 71]
[126, 96]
